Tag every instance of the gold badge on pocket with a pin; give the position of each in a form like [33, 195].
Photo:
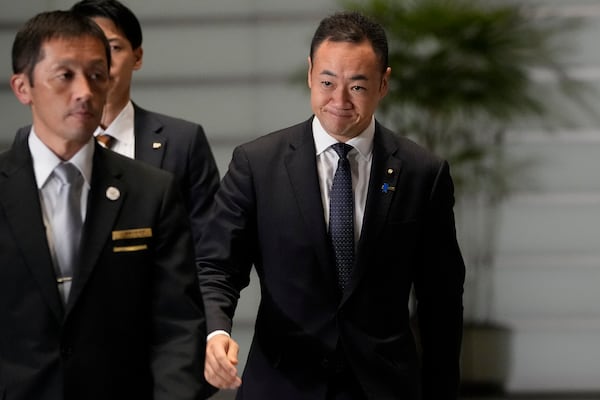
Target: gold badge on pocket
[132, 234]
[124, 249]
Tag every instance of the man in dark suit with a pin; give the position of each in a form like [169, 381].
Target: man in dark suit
[333, 322]
[103, 303]
[172, 144]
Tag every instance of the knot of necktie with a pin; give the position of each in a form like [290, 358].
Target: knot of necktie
[342, 149]
[67, 173]
[105, 140]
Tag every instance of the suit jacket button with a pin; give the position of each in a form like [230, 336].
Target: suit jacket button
[325, 363]
[66, 351]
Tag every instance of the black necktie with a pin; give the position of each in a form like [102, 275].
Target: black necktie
[341, 215]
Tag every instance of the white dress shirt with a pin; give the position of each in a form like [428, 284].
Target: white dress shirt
[121, 129]
[361, 158]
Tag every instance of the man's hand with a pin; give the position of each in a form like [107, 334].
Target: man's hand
[220, 368]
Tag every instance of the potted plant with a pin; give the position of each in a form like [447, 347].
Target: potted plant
[462, 75]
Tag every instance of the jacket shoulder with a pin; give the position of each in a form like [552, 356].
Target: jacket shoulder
[167, 125]
[130, 168]
[295, 135]
[406, 147]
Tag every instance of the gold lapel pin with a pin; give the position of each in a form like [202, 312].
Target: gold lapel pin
[156, 145]
[390, 171]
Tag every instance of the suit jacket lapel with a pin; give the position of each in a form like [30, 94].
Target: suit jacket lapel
[21, 201]
[385, 171]
[149, 143]
[106, 196]
[301, 166]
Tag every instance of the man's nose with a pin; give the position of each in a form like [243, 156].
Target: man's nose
[340, 96]
[82, 87]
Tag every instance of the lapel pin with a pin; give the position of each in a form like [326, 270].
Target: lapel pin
[112, 193]
[156, 145]
[387, 188]
[390, 171]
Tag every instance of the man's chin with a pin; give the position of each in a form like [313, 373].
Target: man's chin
[81, 133]
[341, 132]
[341, 127]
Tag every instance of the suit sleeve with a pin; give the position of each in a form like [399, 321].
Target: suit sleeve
[439, 289]
[178, 323]
[203, 182]
[228, 250]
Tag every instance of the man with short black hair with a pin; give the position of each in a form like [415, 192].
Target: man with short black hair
[99, 295]
[341, 218]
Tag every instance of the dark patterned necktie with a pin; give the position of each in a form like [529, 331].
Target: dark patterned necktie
[341, 215]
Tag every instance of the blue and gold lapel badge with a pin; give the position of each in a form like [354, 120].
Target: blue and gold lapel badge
[386, 186]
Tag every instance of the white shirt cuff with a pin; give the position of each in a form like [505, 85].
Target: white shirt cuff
[217, 332]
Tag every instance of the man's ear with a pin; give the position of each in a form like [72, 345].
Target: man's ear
[20, 86]
[385, 82]
[139, 56]
[309, 72]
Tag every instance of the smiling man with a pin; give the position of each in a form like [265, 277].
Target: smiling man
[341, 218]
[99, 295]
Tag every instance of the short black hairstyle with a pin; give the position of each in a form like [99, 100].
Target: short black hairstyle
[352, 27]
[123, 18]
[27, 46]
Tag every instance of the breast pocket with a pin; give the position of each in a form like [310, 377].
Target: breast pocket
[131, 240]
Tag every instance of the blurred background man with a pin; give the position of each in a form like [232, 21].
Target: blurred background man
[172, 144]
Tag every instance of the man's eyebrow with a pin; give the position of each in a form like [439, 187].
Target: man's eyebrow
[357, 77]
[100, 62]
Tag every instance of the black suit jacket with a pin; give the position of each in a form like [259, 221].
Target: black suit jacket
[180, 147]
[134, 326]
[268, 212]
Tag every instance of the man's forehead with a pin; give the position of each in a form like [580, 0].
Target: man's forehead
[75, 45]
[70, 40]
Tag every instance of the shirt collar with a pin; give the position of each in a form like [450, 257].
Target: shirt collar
[122, 126]
[363, 143]
[44, 160]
